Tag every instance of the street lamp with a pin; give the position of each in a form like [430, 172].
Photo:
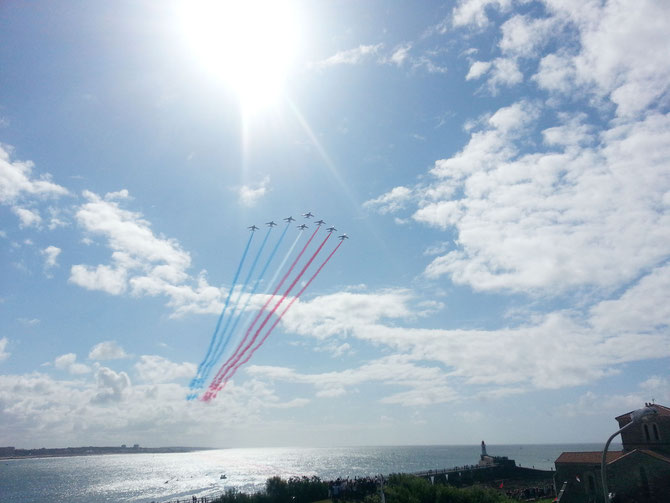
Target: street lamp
[635, 417]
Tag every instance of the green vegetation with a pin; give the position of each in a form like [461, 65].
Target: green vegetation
[398, 489]
[409, 489]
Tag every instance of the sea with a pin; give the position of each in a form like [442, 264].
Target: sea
[144, 478]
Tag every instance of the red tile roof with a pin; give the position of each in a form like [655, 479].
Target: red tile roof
[590, 457]
[595, 457]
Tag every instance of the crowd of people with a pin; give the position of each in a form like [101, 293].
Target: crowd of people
[353, 489]
[530, 493]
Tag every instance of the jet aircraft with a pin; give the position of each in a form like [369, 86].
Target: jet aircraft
[302, 227]
[343, 237]
[308, 214]
[319, 222]
[289, 219]
[271, 223]
[252, 228]
[331, 229]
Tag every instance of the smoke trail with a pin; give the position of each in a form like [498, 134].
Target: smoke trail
[258, 315]
[217, 381]
[212, 394]
[225, 334]
[231, 332]
[272, 281]
[197, 381]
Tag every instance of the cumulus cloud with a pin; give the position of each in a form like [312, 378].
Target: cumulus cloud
[107, 350]
[50, 254]
[250, 195]
[543, 352]
[141, 262]
[21, 191]
[391, 201]
[477, 69]
[538, 220]
[68, 363]
[427, 385]
[473, 12]
[27, 218]
[153, 369]
[110, 385]
[614, 59]
[16, 181]
[107, 408]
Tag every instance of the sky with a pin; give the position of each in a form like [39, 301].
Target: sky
[501, 167]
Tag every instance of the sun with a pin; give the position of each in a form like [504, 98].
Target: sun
[248, 44]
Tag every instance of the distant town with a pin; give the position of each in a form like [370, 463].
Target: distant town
[12, 452]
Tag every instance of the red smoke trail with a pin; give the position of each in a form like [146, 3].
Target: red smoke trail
[224, 367]
[216, 382]
[213, 393]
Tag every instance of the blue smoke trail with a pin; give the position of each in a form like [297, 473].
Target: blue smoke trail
[197, 381]
[253, 291]
[224, 335]
[279, 270]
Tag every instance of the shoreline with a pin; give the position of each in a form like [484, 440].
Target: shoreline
[68, 452]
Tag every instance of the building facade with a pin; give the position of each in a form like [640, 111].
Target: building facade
[639, 473]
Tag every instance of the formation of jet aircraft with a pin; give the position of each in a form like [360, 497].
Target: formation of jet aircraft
[302, 227]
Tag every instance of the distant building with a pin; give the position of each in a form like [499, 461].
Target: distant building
[640, 472]
[7, 451]
[136, 446]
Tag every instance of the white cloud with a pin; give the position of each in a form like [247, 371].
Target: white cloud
[477, 69]
[3, 349]
[155, 369]
[350, 56]
[107, 408]
[504, 72]
[391, 201]
[400, 54]
[619, 56]
[50, 254]
[104, 278]
[141, 262]
[16, 181]
[19, 189]
[107, 350]
[523, 36]
[473, 12]
[427, 385]
[68, 362]
[428, 64]
[29, 322]
[111, 385]
[539, 220]
[249, 196]
[545, 351]
[28, 218]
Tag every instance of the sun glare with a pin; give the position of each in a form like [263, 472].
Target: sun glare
[247, 44]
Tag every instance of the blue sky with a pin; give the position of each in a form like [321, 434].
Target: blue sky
[502, 169]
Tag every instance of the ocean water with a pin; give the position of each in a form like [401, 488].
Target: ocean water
[143, 478]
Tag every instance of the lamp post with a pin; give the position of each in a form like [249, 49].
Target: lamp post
[635, 417]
